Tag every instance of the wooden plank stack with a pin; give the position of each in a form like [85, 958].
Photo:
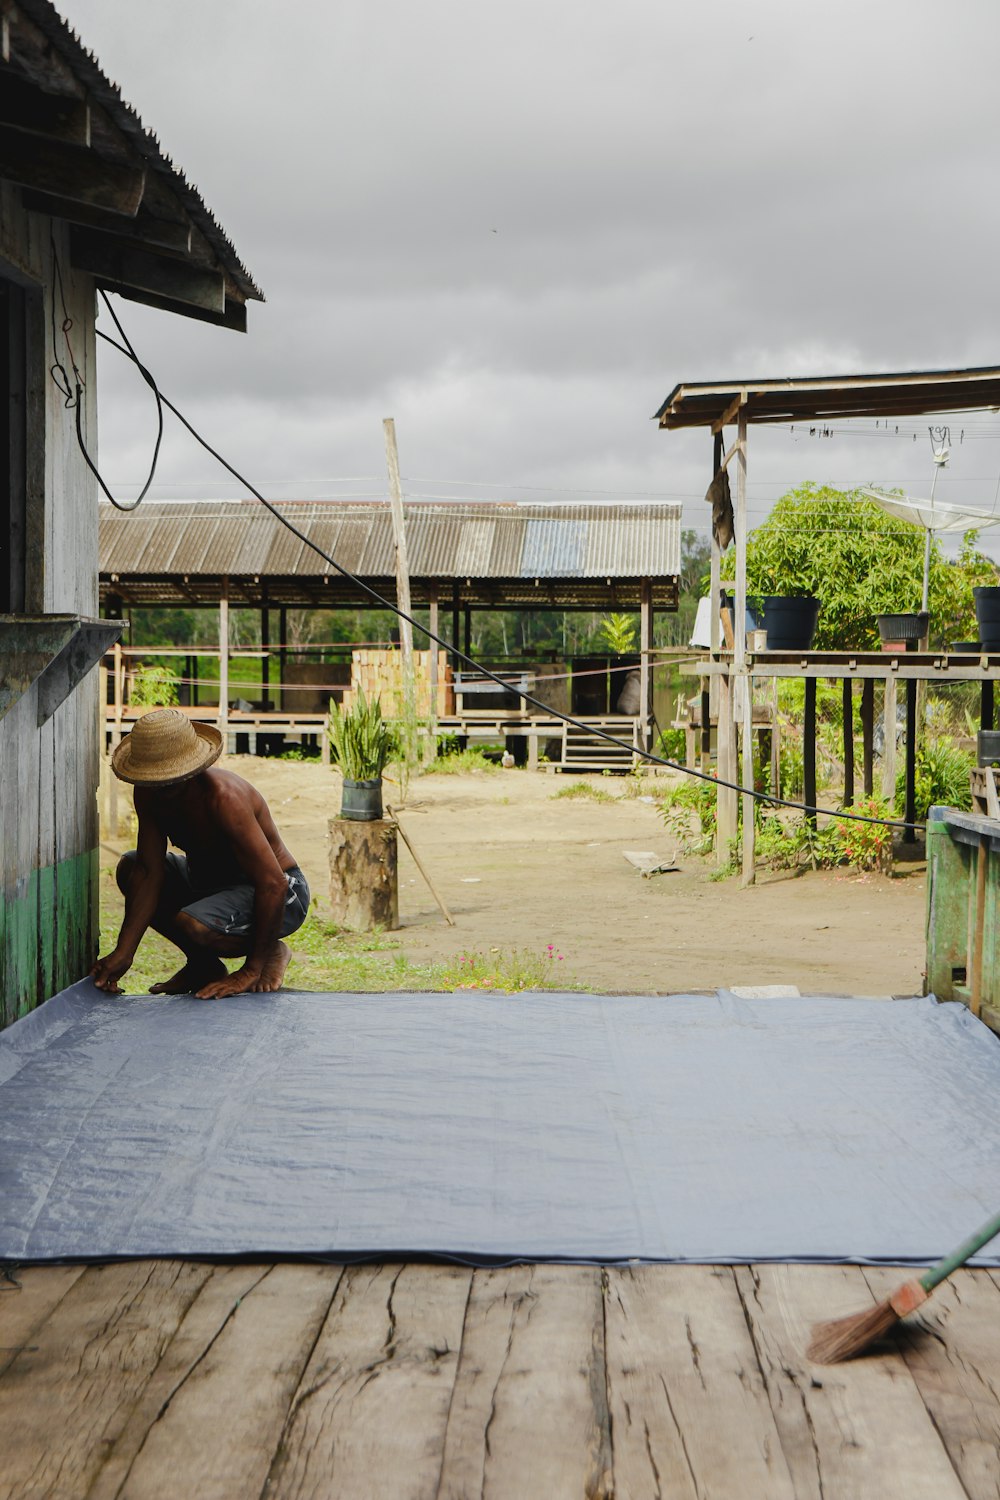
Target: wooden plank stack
[379, 674]
[985, 798]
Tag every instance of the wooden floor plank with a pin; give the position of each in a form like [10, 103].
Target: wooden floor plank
[22, 1312]
[529, 1414]
[368, 1420]
[216, 1436]
[64, 1403]
[690, 1414]
[952, 1348]
[848, 1430]
[205, 1319]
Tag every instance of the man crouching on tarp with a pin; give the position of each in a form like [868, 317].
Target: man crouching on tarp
[234, 892]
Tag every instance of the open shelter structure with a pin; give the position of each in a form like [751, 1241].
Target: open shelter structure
[88, 202]
[721, 404]
[462, 557]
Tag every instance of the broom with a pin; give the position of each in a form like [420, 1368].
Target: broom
[843, 1338]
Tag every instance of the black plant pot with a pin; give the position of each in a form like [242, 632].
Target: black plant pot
[988, 747]
[361, 801]
[903, 627]
[790, 621]
[988, 616]
[965, 648]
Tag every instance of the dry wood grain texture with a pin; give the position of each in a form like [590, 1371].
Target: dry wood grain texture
[368, 1419]
[853, 1430]
[952, 1349]
[64, 1403]
[218, 1425]
[529, 1415]
[23, 1312]
[689, 1409]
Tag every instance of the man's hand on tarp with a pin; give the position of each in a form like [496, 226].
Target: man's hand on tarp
[107, 971]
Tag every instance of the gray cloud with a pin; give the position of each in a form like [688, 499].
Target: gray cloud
[516, 227]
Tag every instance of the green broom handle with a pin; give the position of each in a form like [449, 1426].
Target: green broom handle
[986, 1232]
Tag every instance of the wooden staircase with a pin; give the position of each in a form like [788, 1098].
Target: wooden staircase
[584, 750]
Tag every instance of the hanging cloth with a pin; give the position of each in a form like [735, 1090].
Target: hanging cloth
[721, 501]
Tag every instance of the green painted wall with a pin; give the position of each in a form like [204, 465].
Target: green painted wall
[48, 930]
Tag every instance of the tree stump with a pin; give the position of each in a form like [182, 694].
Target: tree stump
[364, 885]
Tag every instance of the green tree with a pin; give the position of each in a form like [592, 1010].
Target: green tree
[860, 562]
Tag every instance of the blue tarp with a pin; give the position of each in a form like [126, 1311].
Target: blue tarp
[494, 1127]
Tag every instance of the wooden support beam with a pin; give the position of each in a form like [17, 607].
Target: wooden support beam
[889, 740]
[726, 768]
[868, 733]
[223, 718]
[909, 832]
[282, 654]
[60, 115]
[730, 412]
[433, 663]
[847, 698]
[402, 561]
[124, 265]
[70, 170]
[233, 317]
[809, 749]
[645, 663]
[146, 228]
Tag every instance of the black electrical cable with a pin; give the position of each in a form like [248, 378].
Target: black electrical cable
[545, 708]
[72, 392]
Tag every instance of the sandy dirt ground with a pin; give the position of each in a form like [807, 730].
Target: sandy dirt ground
[520, 868]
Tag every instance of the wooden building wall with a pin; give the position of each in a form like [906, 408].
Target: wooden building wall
[48, 775]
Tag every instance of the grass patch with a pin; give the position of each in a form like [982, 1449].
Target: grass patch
[324, 957]
[584, 789]
[460, 763]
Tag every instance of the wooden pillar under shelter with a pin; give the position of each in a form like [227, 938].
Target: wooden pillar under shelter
[432, 672]
[645, 663]
[910, 832]
[743, 700]
[265, 649]
[809, 750]
[868, 733]
[282, 655]
[223, 715]
[889, 740]
[455, 609]
[847, 692]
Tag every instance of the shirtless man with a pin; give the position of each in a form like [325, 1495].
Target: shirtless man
[234, 892]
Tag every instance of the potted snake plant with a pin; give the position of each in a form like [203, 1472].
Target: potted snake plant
[362, 742]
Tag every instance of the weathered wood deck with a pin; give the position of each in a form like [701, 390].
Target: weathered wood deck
[156, 1379]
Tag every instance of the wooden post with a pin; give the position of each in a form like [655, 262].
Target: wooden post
[744, 699]
[467, 631]
[726, 767]
[402, 562]
[456, 604]
[223, 718]
[706, 724]
[847, 695]
[645, 663]
[119, 671]
[868, 732]
[432, 672]
[976, 977]
[809, 749]
[910, 832]
[889, 740]
[265, 647]
[775, 741]
[282, 655]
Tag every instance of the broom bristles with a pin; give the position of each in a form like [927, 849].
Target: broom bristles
[843, 1338]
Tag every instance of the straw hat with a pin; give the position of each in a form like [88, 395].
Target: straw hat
[165, 747]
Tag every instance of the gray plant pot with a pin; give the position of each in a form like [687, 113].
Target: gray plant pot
[361, 801]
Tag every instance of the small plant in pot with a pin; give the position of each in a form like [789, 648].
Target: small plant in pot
[362, 743]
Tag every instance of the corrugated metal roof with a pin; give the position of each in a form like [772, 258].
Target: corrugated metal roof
[478, 541]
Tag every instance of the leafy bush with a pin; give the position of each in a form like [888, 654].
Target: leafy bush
[866, 846]
[689, 813]
[860, 562]
[942, 777]
[619, 633]
[153, 687]
[584, 789]
[461, 762]
[673, 744]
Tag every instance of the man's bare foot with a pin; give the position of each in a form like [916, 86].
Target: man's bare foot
[274, 968]
[194, 976]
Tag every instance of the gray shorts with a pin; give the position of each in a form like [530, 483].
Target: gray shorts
[230, 910]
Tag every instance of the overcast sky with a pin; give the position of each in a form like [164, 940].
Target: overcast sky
[515, 227]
